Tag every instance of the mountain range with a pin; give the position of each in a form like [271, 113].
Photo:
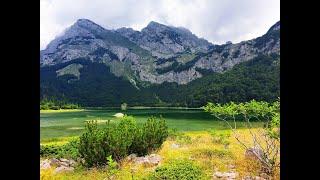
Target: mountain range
[158, 66]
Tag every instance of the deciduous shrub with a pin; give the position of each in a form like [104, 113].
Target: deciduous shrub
[266, 140]
[178, 170]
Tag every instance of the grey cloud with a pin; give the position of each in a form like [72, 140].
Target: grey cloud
[215, 20]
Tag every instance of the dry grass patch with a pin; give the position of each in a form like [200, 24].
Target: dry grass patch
[210, 155]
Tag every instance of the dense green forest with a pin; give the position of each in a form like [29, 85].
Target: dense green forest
[255, 79]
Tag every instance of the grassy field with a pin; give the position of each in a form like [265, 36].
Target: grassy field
[65, 123]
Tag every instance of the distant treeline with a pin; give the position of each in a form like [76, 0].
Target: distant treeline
[56, 105]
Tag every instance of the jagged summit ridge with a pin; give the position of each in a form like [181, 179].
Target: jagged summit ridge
[165, 41]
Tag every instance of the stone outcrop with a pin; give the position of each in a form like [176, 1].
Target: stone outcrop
[60, 165]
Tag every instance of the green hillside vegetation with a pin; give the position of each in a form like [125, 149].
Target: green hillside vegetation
[256, 79]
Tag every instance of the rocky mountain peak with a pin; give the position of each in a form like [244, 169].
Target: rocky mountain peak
[275, 27]
[153, 24]
[177, 53]
[85, 21]
[155, 27]
[87, 25]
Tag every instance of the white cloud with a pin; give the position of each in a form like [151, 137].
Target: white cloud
[215, 20]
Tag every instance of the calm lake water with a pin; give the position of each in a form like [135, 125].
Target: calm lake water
[71, 123]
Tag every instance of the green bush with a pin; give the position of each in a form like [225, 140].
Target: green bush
[178, 170]
[150, 137]
[91, 145]
[50, 150]
[121, 139]
[69, 150]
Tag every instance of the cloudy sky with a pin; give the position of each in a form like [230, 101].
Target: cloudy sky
[217, 21]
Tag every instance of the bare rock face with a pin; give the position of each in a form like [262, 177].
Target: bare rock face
[182, 77]
[165, 41]
[121, 52]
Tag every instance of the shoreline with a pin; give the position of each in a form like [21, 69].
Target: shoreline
[129, 108]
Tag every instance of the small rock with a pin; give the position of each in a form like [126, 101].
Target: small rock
[131, 157]
[141, 160]
[64, 164]
[64, 160]
[175, 146]
[61, 169]
[226, 175]
[45, 164]
[152, 159]
[54, 162]
[253, 178]
[72, 162]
